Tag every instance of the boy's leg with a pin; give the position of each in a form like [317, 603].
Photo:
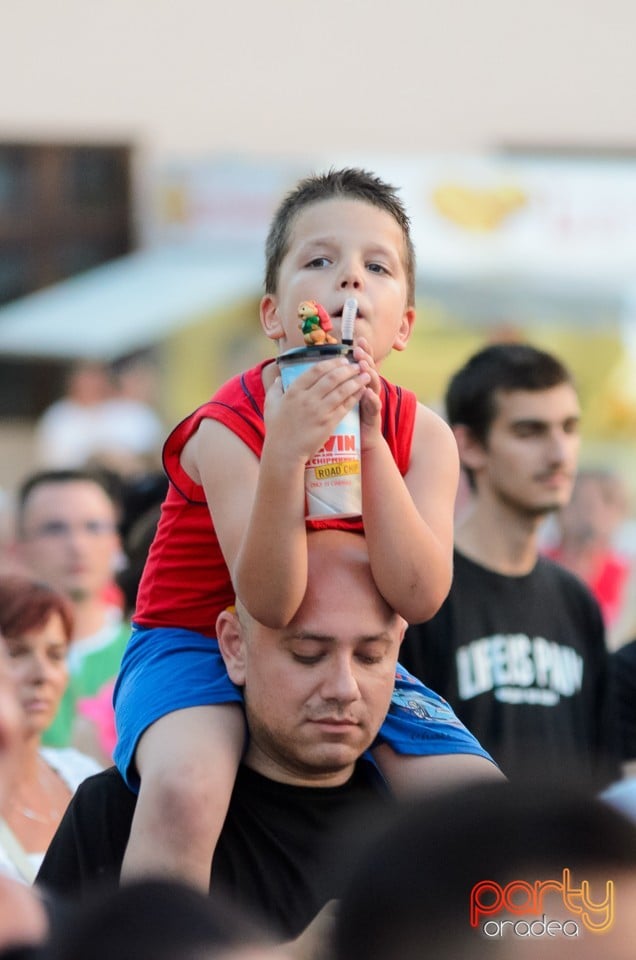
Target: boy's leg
[434, 772]
[187, 762]
[422, 744]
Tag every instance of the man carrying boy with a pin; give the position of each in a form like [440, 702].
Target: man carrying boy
[233, 523]
[316, 693]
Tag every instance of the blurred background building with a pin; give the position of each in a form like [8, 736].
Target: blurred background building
[145, 143]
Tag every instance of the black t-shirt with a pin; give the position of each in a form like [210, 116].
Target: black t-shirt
[275, 856]
[624, 669]
[523, 662]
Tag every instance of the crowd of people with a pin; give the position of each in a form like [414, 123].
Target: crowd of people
[327, 736]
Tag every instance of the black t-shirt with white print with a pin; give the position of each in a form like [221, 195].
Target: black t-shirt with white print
[523, 662]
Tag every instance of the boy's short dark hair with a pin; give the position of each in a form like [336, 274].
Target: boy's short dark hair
[471, 395]
[350, 183]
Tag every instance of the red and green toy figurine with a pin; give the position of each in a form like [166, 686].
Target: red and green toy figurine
[315, 323]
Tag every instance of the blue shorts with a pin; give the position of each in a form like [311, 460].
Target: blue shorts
[421, 723]
[164, 669]
[168, 668]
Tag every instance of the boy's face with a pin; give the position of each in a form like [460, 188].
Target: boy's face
[343, 248]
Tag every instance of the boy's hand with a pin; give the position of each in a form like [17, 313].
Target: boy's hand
[300, 420]
[370, 402]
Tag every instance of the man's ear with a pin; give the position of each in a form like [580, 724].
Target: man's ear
[406, 329]
[270, 320]
[472, 454]
[229, 632]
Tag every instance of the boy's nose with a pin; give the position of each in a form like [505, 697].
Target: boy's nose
[351, 275]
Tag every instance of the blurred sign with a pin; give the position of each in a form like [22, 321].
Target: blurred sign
[472, 215]
[224, 202]
[557, 220]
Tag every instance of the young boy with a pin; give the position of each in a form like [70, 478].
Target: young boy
[233, 523]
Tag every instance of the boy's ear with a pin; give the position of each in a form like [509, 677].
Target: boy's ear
[471, 451]
[229, 634]
[406, 329]
[270, 320]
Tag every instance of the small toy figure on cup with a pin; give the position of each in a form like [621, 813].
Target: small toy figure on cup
[315, 323]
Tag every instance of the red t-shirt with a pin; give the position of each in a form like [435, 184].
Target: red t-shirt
[186, 582]
[607, 582]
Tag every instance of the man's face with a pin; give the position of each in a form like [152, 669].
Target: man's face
[69, 537]
[317, 692]
[530, 456]
[343, 248]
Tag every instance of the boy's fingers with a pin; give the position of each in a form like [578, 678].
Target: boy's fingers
[322, 383]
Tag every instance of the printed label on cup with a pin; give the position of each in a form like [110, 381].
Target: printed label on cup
[333, 483]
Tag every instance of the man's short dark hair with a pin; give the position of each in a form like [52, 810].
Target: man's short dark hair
[104, 479]
[471, 396]
[350, 183]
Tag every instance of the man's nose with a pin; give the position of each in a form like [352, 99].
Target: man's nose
[560, 444]
[340, 682]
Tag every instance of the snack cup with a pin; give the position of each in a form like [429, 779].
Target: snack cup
[332, 476]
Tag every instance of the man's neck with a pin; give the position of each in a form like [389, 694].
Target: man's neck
[281, 772]
[90, 617]
[499, 538]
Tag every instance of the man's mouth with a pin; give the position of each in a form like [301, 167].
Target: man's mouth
[554, 477]
[335, 722]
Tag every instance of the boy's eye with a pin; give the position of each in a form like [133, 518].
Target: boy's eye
[319, 262]
[377, 268]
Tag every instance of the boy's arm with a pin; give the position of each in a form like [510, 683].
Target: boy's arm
[408, 521]
[258, 514]
[259, 509]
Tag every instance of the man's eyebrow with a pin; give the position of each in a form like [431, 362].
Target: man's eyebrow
[383, 637]
[540, 422]
[529, 422]
[308, 635]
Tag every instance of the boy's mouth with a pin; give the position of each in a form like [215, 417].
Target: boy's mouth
[337, 314]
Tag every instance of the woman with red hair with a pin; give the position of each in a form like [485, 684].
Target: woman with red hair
[36, 626]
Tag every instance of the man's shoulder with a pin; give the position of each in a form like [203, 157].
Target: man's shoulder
[106, 785]
[568, 584]
[625, 656]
